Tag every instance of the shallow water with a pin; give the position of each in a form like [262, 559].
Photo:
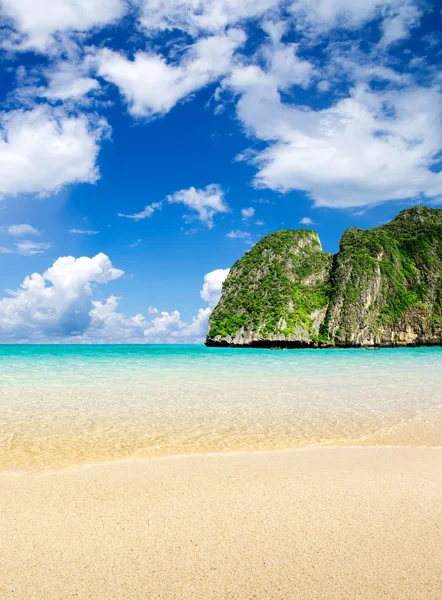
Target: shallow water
[65, 405]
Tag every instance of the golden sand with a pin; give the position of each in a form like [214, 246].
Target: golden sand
[320, 524]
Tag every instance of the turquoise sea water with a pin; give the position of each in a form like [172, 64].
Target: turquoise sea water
[61, 405]
[84, 364]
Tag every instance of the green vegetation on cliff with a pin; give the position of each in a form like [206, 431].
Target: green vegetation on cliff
[384, 287]
[388, 278]
[276, 288]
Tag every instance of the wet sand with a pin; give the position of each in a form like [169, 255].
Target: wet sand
[317, 524]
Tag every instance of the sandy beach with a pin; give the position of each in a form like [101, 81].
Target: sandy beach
[343, 523]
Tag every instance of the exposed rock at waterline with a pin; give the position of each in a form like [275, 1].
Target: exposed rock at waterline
[383, 288]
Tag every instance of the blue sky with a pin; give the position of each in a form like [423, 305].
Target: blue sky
[208, 125]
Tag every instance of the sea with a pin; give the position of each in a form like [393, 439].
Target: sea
[64, 406]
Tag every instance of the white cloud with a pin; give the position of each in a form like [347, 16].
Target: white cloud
[164, 328]
[62, 88]
[145, 213]
[58, 306]
[197, 330]
[212, 286]
[21, 230]
[397, 25]
[327, 14]
[26, 248]
[39, 20]
[111, 326]
[205, 203]
[323, 86]
[68, 81]
[369, 147]
[319, 16]
[281, 67]
[201, 16]
[168, 327]
[265, 83]
[152, 86]
[83, 231]
[29, 248]
[58, 302]
[238, 234]
[306, 221]
[165, 324]
[247, 213]
[44, 149]
[275, 68]
[372, 145]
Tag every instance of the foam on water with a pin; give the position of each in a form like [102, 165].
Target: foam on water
[65, 405]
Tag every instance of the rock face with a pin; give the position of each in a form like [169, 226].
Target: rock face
[387, 283]
[383, 288]
[278, 292]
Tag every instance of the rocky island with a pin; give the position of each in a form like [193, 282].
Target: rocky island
[383, 288]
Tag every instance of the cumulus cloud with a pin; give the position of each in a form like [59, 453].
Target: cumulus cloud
[369, 144]
[23, 229]
[107, 324]
[158, 327]
[145, 213]
[58, 305]
[212, 286]
[306, 221]
[197, 330]
[57, 302]
[204, 203]
[37, 21]
[44, 149]
[372, 146]
[152, 86]
[83, 231]
[168, 326]
[165, 324]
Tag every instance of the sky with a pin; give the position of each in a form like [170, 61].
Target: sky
[146, 145]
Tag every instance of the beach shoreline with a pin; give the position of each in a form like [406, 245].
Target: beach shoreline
[317, 523]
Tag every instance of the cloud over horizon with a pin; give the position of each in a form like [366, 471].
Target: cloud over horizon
[59, 304]
[125, 112]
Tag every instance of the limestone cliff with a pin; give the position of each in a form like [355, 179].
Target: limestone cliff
[278, 292]
[387, 283]
[384, 287]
